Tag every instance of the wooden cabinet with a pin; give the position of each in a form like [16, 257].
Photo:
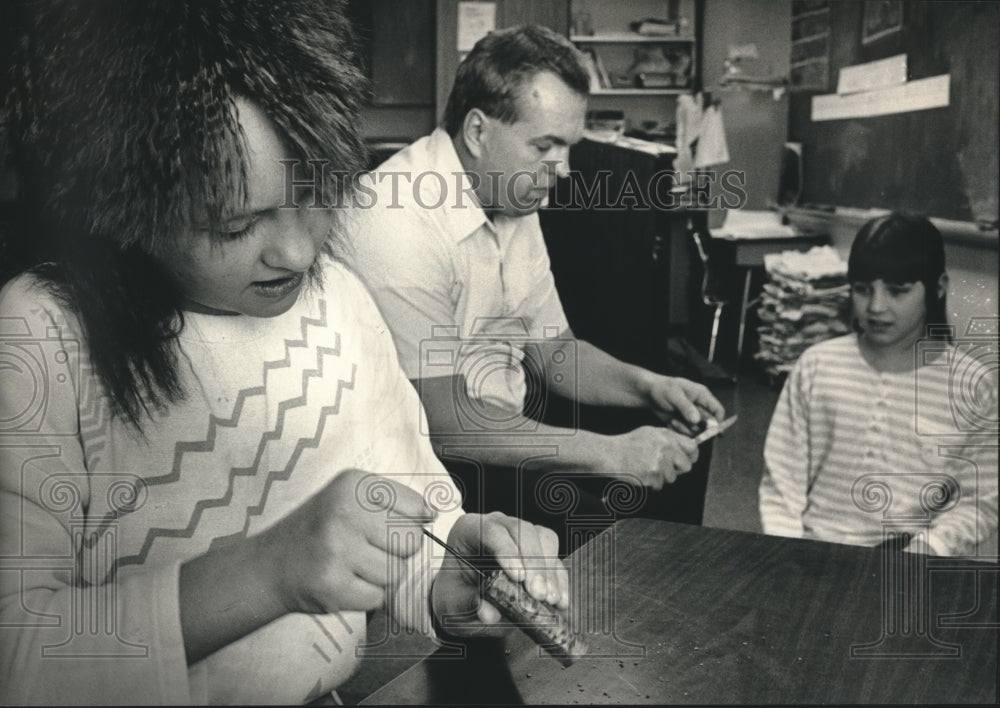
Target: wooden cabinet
[621, 264]
[396, 44]
[397, 48]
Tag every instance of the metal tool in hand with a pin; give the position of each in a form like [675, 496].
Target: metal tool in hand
[711, 431]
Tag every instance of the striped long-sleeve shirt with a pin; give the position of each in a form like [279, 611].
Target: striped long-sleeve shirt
[854, 455]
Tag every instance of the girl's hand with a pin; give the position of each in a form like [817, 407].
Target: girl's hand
[524, 551]
[331, 553]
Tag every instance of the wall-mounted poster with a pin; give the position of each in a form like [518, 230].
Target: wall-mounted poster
[881, 18]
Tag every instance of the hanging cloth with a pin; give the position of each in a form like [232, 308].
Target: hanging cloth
[712, 148]
[688, 119]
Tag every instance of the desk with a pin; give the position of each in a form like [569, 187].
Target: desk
[687, 614]
[750, 252]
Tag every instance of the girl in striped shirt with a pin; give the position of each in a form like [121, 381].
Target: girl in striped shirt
[888, 434]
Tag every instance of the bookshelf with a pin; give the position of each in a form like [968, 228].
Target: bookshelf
[627, 38]
[641, 74]
[636, 92]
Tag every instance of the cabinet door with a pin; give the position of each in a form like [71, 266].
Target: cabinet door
[397, 46]
[620, 266]
[403, 60]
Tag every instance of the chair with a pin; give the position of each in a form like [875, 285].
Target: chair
[717, 273]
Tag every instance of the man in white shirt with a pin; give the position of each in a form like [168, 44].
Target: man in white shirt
[446, 236]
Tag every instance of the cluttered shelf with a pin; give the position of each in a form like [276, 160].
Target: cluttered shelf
[652, 55]
[610, 137]
[637, 92]
[630, 37]
[645, 66]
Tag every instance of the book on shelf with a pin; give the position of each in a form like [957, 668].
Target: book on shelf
[601, 70]
[653, 27]
[591, 66]
[599, 78]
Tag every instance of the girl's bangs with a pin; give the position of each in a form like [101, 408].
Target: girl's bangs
[892, 263]
[897, 249]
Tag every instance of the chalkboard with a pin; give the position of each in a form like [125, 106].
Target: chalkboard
[941, 162]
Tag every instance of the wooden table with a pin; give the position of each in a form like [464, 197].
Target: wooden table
[686, 614]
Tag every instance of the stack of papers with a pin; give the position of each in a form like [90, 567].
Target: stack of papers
[805, 302]
[810, 268]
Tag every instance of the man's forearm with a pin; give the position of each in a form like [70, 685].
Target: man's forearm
[602, 380]
[463, 429]
[499, 437]
[544, 448]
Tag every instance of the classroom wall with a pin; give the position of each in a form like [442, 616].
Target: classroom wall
[755, 120]
[955, 38]
[942, 161]
[764, 23]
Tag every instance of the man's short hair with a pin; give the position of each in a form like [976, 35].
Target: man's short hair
[500, 63]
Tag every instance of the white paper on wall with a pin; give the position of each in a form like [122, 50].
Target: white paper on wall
[873, 75]
[475, 21]
[918, 95]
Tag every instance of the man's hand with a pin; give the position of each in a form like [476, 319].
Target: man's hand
[524, 551]
[670, 397]
[656, 456]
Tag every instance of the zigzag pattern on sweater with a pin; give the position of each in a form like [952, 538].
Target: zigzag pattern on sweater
[208, 444]
[303, 444]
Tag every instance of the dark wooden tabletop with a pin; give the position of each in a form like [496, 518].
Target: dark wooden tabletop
[685, 614]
